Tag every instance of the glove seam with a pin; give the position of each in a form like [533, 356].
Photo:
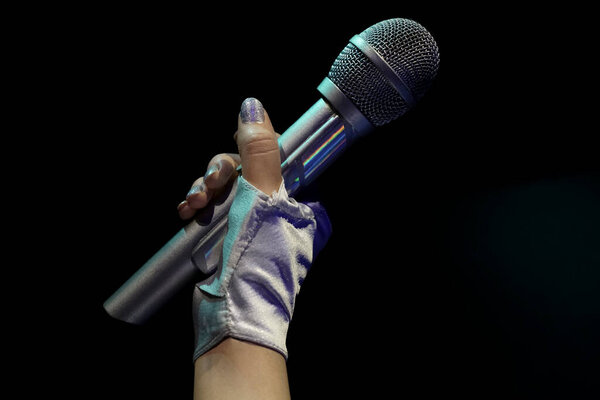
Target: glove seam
[232, 329]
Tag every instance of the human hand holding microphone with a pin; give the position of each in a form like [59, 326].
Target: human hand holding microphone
[242, 311]
[377, 78]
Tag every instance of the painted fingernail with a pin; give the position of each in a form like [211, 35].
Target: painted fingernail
[181, 205]
[213, 168]
[252, 111]
[196, 189]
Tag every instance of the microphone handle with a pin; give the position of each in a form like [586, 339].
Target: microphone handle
[307, 148]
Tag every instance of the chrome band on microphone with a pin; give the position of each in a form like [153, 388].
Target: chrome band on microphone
[344, 106]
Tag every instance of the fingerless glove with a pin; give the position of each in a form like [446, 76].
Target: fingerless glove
[270, 244]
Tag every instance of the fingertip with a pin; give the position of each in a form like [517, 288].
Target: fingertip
[182, 205]
[220, 170]
[199, 200]
[185, 211]
[258, 147]
[212, 174]
[197, 188]
[252, 112]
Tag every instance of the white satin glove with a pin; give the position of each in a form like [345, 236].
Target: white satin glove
[268, 250]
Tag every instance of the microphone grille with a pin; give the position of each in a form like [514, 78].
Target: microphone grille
[408, 49]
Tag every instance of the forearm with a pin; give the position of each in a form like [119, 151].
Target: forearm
[240, 370]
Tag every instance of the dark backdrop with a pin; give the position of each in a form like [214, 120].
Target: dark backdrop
[465, 256]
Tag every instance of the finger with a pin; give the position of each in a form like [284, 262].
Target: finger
[258, 148]
[185, 211]
[220, 170]
[199, 195]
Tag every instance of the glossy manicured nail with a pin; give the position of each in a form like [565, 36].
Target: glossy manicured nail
[181, 205]
[213, 168]
[252, 111]
[196, 189]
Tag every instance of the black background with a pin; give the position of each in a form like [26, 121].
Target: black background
[465, 257]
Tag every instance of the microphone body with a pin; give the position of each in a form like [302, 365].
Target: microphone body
[375, 79]
[307, 148]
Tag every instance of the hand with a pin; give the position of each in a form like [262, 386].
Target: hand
[242, 311]
[258, 153]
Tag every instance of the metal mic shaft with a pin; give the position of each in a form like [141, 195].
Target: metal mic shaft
[307, 148]
[377, 78]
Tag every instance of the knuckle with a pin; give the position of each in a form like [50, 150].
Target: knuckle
[257, 140]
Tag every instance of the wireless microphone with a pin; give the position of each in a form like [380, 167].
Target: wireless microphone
[376, 78]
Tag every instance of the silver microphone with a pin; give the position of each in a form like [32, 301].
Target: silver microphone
[377, 78]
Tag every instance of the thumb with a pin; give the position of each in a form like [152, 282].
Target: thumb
[258, 148]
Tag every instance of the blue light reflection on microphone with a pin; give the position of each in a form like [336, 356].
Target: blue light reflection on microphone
[330, 146]
[307, 162]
